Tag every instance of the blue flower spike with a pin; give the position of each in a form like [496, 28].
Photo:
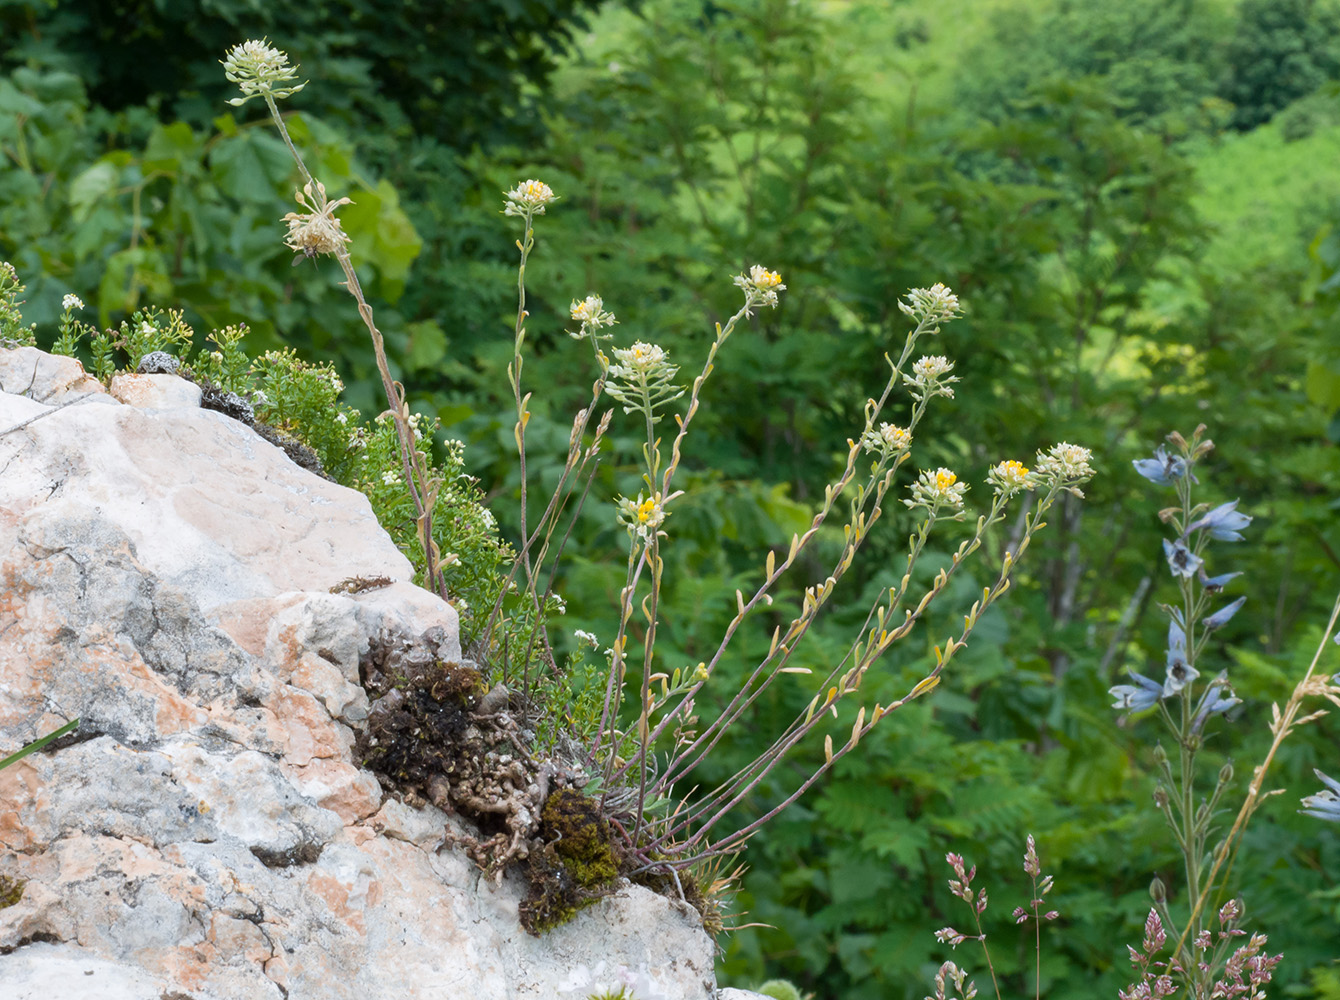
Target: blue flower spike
[1144, 693]
[1325, 804]
[1224, 523]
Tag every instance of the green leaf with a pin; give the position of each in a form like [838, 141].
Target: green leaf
[251, 167]
[36, 745]
[427, 344]
[1322, 385]
[91, 186]
[14, 102]
[169, 147]
[382, 235]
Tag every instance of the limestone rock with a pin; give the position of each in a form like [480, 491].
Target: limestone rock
[166, 576]
[163, 391]
[46, 378]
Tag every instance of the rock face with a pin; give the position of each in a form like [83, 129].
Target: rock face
[167, 578]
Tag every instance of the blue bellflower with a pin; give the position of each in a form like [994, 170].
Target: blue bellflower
[1218, 697]
[1325, 804]
[1180, 673]
[1214, 584]
[1181, 560]
[1220, 618]
[1223, 523]
[1144, 693]
[1163, 468]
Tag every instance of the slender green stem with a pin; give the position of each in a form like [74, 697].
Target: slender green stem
[413, 463]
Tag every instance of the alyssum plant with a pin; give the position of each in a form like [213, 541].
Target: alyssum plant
[640, 764]
[648, 739]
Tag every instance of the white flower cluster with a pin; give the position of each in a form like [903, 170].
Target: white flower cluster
[528, 198]
[256, 66]
[930, 377]
[936, 304]
[887, 440]
[1066, 465]
[591, 314]
[760, 287]
[641, 517]
[940, 488]
[640, 362]
[1010, 477]
[71, 301]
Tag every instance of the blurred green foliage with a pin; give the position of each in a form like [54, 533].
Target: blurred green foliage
[1129, 267]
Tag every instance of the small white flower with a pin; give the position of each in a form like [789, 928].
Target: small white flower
[528, 198]
[936, 304]
[930, 375]
[940, 488]
[256, 67]
[932, 366]
[1066, 464]
[148, 328]
[72, 301]
[887, 440]
[342, 418]
[591, 314]
[642, 359]
[1010, 477]
[391, 478]
[760, 287]
[642, 517]
[451, 559]
[586, 638]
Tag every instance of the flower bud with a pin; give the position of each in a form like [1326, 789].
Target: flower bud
[1157, 891]
[1226, 773]
[1160, 755]
[1161, 797]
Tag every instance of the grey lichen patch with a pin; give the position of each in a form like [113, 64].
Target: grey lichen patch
[158, 363]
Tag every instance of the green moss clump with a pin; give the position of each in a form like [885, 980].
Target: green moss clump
[581, 837]
[553, 896]
[11, 891]
[576, 866]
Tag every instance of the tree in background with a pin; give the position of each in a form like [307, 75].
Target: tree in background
[461, 73]
[1281, 50]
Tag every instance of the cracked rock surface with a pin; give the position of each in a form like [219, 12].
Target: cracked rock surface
[165, 575]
